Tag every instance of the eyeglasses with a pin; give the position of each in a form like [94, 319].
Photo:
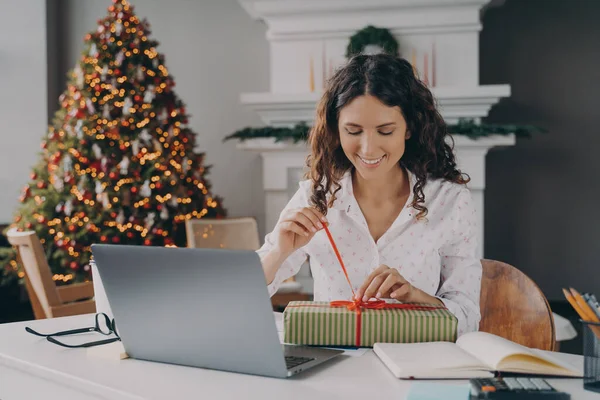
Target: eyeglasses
[104, 325]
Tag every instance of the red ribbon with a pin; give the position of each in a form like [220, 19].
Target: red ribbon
[358, 305]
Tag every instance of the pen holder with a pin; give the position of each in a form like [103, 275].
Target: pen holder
[591, 354]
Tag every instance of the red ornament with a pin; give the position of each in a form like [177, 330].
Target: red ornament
[97, 88]
[33, 176]
[122, 147]
[71, 228]
[74, 266]
[117, 71]
[44, 145]
[147, 242]
[158, 185]
[134, 190]
[130, 235]
[147, 206]
[41, 219]
[28, 225]
[137, 98]
[80, 114]
[103, 238]
[41, 184]
[113, 214]
[116, 239]
[159, 231]
[83, 142]
[113, 175]
[168, 241]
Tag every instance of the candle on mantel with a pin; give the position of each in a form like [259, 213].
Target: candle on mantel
[414, 61]
[433, 64]
[426, 68]
[312, 75]
[324, 67]
[330, 69]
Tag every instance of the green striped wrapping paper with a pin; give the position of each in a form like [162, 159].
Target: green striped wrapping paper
[316, 323]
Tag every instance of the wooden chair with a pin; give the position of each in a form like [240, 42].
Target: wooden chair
[47, 299]
[227, 233]
[238, 234]
[514, 307]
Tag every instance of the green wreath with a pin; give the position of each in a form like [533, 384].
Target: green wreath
[372, 36]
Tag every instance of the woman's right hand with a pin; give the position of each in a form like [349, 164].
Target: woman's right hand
[296, 228]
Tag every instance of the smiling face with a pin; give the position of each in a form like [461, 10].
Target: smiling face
[372, 136]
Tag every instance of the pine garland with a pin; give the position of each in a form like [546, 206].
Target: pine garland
[465, 127]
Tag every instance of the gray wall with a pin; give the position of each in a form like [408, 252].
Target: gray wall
[215, 51]
[22, 95]
[542, 196]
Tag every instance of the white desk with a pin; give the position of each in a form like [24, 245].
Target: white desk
[32, 368]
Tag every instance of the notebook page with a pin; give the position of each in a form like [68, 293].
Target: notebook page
[426, 359]
[489, 348]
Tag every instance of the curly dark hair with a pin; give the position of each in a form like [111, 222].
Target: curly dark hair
[390, 79]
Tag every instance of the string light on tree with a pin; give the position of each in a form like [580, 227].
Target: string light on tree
[118, 163]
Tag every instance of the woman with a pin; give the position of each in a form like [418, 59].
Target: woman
[385, 181]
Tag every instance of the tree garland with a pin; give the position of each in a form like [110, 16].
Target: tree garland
[372, 36]
[465, 127]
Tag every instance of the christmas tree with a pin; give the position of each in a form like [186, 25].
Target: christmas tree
[118, 164]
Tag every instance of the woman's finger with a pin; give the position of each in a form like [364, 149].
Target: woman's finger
[301, 219]
[360, 292]
[313, 218]
[403, 292]
[292, 226]
[389, 282]
[373, 287]
[318, 215]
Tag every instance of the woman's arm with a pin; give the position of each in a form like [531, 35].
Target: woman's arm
[278, 264]
[271, 262]
[461, 268]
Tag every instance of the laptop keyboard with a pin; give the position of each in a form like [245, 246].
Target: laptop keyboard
[292, 362]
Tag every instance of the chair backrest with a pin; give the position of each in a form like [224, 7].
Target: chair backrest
[38, 277]
[514, 307]
[228, 233]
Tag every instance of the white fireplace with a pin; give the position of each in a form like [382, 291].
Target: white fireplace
[439, 37]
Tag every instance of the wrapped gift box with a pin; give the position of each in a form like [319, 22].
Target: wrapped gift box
[319, 323]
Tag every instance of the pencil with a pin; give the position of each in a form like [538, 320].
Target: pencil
[591, 315]
[573, 304]
[572, 299]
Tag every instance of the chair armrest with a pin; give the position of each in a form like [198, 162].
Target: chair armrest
[79, 308]
[76, 291]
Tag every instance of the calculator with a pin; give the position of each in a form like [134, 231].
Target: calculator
[520, 388]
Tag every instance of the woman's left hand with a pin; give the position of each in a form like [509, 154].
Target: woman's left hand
[386, 282]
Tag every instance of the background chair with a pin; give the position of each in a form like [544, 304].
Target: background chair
[47, 299]
[514, 307]
[227, 233]
[238, 234]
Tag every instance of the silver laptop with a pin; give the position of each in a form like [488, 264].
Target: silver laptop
[205, 308]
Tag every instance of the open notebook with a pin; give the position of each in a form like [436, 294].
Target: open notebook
[474, 355]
